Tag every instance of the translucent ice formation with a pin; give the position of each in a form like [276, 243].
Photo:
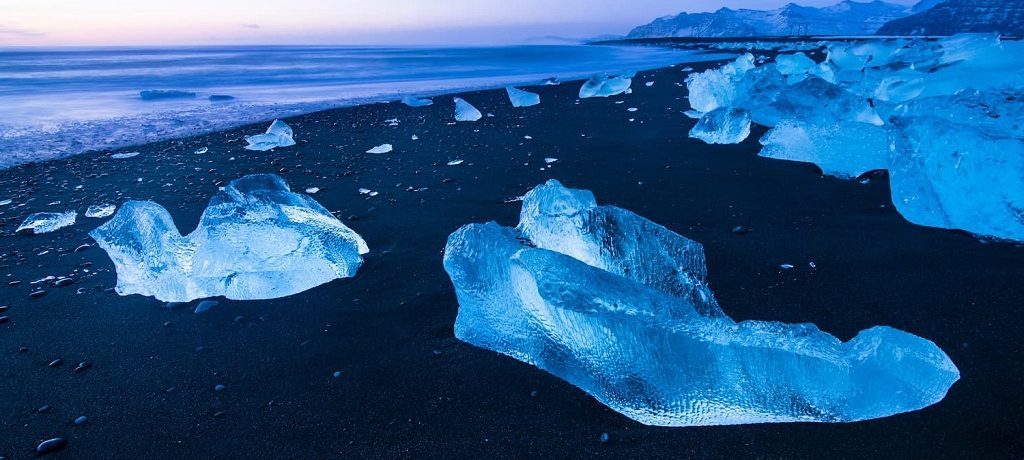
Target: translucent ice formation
[724, 125]
[255, 240]
[46, 222]
[278, 134]
[617, 305]
[606, 86]
[520, 98]
[844, 150]
[383, 148]
[959, 163]
[464, 111]
[100, 211]
[416, 102]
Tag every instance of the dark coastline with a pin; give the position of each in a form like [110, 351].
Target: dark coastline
[407, 387]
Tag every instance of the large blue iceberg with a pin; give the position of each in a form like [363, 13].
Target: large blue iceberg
[256, 240]
[618, 306]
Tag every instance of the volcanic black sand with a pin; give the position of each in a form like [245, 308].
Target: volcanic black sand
[407, 387]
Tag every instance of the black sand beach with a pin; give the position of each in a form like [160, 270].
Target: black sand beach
[407, 387]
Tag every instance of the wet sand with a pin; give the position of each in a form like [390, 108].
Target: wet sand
[408, 388]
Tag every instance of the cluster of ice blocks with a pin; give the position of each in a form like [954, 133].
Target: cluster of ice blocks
[256, 240]
[943, 116]
[618, 306]
[279, 134]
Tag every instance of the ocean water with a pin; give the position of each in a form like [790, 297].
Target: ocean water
[60, 102]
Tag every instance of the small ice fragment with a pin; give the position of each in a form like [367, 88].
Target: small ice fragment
[551, 81]
[368, 192]
[45, 222]
[550, 160]
[632, 109]
[204, 306]
[812, 264]
[527, 137]
[454, 162]
[100, 211]
[202, 150]
[5, 202]
[520, 98]
[723, 125]
[464, 111]
[415, 137]
[312, 190]
[416, 102]
[605, 86]
[785, 266]
[279, 134]
[124, 155]
[392, 122]
[157, 94]
[649, 84]
[383, 148]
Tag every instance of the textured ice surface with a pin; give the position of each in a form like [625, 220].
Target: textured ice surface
[615, 304]
[959, 163]
[125, 155]
[279, 134]
[100, 210]
[520, 98]
[416, 102]
[45, 222]
[606, 86]
[724, 125]
[844, 150]
[464, 111]
[255, 240]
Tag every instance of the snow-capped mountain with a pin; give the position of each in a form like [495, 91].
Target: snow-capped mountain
[845, 18]
[956, 16]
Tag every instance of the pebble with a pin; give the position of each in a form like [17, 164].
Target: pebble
[55, 363]
[83, 247]
[219, 388]
[4, 308]
[740, 230]
[604, 437]
[64, 282]
[51, 445]
[337, 374]
[81, 420]
[82, 366]
[37, 294]
[44, 409]
[4, 319]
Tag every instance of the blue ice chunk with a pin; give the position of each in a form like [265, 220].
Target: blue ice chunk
[46, 222]
[606, 86]
[416, 102]
[279, 134]
[958, 162]
[845, 150]
[724, 125]
[622, 333]
[520, 98]
[464, 111]
[256, 240]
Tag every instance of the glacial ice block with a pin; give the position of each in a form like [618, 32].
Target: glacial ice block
[100, 211]
[279, 134]
[724, 125]
[844, 150]
[256, 240]
[606, 86]
[958, 162]
[612, 329]
[46, 222]
[464, 111]
[416, 102]
[520, 98]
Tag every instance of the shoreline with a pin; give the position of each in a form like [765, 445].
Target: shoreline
[407, 386]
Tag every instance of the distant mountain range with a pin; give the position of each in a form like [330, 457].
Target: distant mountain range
[846, 18]
[955, 16]
[928, 17]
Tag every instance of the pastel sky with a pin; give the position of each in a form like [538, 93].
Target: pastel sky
[211, 22]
